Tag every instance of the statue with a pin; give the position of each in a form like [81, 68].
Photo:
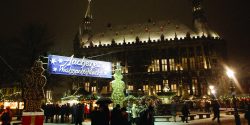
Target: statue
[34, 83]
[118, 87]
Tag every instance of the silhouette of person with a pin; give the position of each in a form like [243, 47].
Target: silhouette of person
[173, 110]
[149, 117]
[216, 110]
[247, 114]
[116, 115]
[185, 112]
[94, 116]
[79, 114]
[6, 116]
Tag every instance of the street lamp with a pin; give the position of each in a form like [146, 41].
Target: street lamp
[230, 74]
[211, 87]
[212, 90]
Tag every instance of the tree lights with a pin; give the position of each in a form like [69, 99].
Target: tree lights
[118, 87]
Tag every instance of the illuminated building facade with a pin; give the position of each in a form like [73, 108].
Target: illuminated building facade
[155, 55]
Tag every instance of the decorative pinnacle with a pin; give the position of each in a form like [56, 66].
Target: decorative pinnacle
[88, 13]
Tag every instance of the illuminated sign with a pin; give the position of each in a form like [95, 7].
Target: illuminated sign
[79, 67]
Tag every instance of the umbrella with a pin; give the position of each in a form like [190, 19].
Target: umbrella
[103, 100]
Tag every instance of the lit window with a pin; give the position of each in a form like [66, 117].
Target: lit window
[93, 89]
[156, 65]
[164, 65]
[184, 63]
[195, 86]
[158, 88]
[149, 69]
[145, 88]
[130, 87]
[173, 87]
[110, 87]
[124, 69]
[86, 86]
[104, 89]
[165, 83]
[192, 62]
[171, 64]
[49, 94]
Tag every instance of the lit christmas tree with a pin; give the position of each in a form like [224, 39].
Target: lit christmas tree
[118, 87]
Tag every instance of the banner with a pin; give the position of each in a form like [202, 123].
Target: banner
[79, 67]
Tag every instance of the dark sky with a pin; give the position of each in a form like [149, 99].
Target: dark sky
[229, 18]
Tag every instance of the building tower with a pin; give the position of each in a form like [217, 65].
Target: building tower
[199, 19]
[85, 29]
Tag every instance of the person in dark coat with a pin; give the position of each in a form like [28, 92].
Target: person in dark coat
[46, 112]
[207, 107]
[94, 116]
[150, 115]
[103, 115]
[116, 115]
[79, 114]
[62, 113]
[57, 112]
[216, 110]
[247, 114]
[6, 116]
[73, 113]
[173, 110]
[185, 112]
[124, 120]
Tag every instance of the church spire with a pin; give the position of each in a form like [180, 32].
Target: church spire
[88, 13]
[199, 18]
[87, 20]
[85, 28]
[198, 12]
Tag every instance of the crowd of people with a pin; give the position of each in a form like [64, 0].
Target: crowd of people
[135, 114]
[101, 115]
[122, 116]
[61, 114]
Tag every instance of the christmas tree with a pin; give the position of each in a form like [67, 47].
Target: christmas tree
[118, 87]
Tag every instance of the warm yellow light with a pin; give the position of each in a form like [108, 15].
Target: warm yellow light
[211, 87]
[230, 73]
[213, 91]
[71, 102]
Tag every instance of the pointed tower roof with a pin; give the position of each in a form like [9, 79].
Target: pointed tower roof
[199, 19]
[88, 12]
[198, 11]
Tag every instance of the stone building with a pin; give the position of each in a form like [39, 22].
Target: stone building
[155, 55]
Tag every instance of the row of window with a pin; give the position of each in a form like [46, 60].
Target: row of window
[172, 65]
[191, 63]
[157, 88]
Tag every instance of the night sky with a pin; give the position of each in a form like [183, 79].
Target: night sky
[229, 18]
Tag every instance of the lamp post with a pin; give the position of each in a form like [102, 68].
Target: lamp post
[230, 75]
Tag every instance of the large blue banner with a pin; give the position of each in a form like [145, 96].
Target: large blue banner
[79, 67]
